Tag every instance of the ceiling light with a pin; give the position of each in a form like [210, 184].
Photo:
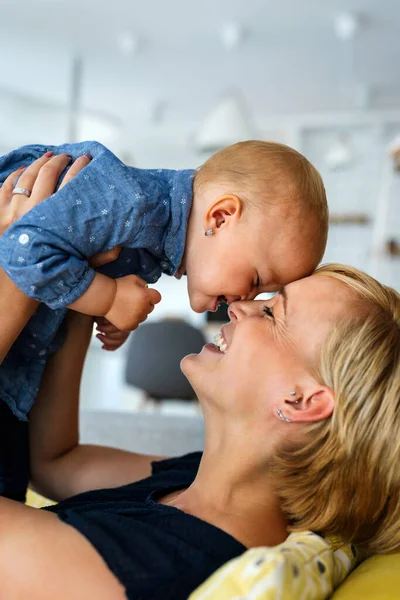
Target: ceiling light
[394, 149]
[231, 35]
[127, 43]
[227, 123]
[340, 154]
[346, 25]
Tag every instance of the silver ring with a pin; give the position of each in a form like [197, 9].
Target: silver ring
[22, 191]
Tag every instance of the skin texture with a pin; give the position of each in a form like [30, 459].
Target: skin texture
[251, 251]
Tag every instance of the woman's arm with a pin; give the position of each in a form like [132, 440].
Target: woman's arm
[41, 178]
[42, 558]
[125, 302]
[15, 311]
[100, 208]
[60, 465]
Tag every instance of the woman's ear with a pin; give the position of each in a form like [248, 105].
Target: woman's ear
[314, 403]
[225, 209]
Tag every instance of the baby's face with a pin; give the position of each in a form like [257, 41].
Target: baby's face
[245, 259]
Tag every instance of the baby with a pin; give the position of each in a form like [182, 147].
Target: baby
[252, 218]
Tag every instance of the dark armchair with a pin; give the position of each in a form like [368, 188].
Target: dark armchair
[154, 355]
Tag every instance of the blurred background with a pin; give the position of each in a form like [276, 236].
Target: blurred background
[165, 84]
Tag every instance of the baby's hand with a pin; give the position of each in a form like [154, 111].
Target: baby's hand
[133, 302]
[110, 336]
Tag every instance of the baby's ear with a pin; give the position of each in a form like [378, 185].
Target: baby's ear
[226, 208]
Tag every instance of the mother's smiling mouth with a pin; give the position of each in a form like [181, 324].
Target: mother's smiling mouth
[220, 343]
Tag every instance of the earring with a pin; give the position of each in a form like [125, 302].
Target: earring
[282, 416]
[293, 393]
[209, 232]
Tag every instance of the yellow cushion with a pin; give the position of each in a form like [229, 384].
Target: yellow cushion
[36, 500]
[377, 578]
[305, 566]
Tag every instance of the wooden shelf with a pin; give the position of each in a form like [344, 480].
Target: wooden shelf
[392, 248]
[396, 159]
[349, 219]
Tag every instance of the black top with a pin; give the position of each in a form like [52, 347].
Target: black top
[156, 551]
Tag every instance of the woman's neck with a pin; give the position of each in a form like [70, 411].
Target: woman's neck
[236, 496]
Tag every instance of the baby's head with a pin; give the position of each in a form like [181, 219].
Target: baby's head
[259, 221]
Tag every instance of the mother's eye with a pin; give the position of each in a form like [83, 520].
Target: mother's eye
[268, 311]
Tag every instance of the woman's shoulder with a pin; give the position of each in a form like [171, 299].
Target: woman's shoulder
[188, 462]
[170, 472]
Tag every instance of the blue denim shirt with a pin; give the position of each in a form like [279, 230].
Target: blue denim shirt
[45, 252]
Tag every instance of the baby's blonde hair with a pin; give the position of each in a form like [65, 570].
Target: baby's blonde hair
[268, 173]
[345, 479]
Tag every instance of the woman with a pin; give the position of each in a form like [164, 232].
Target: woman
[299, 394]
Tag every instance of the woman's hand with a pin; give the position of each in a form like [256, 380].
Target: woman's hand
[40, 178]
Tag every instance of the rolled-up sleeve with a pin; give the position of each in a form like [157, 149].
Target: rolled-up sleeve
[45, 253]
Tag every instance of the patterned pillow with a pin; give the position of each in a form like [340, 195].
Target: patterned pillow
[36, 500]
[306, 566]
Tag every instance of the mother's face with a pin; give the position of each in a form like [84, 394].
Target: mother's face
[268, 345]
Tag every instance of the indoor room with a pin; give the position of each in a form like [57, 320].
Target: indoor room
[165, 86]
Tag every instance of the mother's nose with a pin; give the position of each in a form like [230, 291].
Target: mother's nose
[245, 308]
[239, 309]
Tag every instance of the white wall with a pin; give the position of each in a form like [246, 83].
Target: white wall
[25, 120]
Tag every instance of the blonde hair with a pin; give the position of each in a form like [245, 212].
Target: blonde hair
[268, 173]
[343, 478]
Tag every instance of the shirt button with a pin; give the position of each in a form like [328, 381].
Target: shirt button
[23, 239]
[164, 265]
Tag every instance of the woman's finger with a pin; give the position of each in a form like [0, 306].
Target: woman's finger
[28, 177]
[47, 178]
[40, 180]
[8, 186]
[79, 164]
